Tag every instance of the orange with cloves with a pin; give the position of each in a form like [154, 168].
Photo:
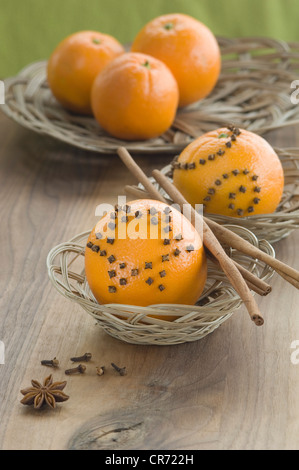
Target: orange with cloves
[145, 253]
[232, 172]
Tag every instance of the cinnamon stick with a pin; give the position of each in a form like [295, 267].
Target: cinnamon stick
[228, 237]
[138, 193]
[139, 174]
[216, 249]
[288, 279]
[251, 286]
[210, 240]
[255, 283]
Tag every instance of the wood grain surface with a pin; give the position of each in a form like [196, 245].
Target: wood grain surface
[235, 389]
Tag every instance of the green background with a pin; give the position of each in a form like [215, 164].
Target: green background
[30, 29]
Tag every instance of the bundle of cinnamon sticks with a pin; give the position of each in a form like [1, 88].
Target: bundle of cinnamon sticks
[214, 237]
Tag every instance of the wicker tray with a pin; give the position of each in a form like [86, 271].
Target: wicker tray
[133, 324]
[253, 92]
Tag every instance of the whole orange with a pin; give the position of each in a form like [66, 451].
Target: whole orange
[145, 253]
[74, 65]
[188, 48]
[232, 172]
[135, 97]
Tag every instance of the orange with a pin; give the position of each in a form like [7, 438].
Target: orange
[135, 97]
[74, 65]
[124, 264]
[188, 48]
[232, 172]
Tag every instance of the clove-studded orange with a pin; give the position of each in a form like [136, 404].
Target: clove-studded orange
[145, 253]
[231, 171]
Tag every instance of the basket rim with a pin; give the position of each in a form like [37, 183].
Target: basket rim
[73, 246]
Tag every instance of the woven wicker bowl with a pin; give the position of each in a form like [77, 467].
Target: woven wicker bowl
[253, 92]
[133, 324]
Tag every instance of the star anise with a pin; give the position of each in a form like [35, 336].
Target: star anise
[49, 393]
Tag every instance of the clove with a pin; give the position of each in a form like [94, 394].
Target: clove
[120, 370]
[86, 357]
[100, 370]
[77, 370]
[50, 363]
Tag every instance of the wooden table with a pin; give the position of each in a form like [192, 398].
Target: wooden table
[235, 389]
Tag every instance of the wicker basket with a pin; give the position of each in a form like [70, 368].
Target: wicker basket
[133, 324]
[253, 92]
